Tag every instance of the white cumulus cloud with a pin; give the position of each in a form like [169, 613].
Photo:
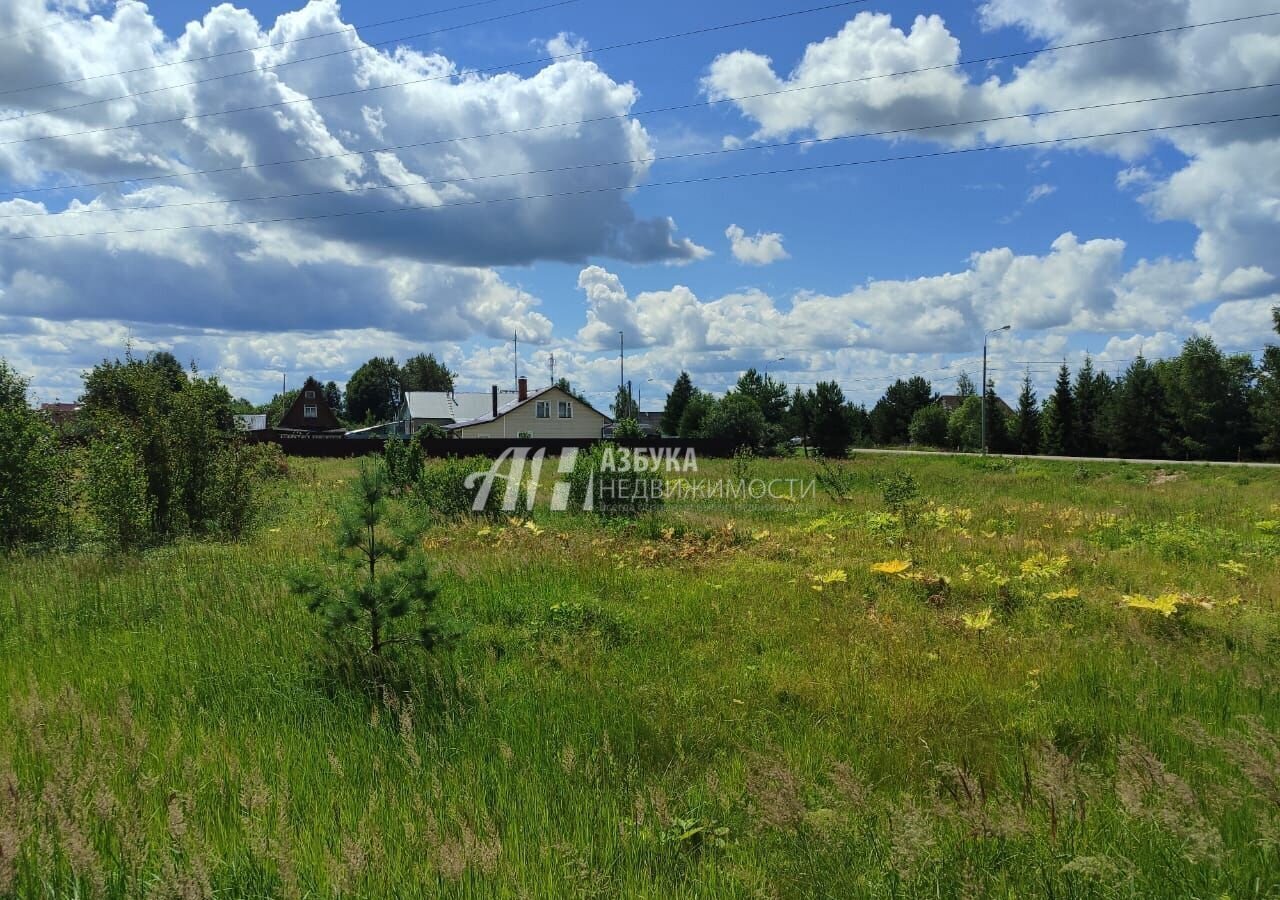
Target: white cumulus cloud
[758, 250]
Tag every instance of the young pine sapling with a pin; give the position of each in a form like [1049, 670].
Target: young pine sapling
[380, 579]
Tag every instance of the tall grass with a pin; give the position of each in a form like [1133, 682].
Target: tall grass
[719, 700]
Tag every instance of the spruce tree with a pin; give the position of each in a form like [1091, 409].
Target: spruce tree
[1086, 409]
[677, 400]
[1138, 418]
[997, 423]
[1027, 432]
[1059, 418]
[1208, 396]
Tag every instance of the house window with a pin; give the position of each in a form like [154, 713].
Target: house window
[310, 412]
[311, 395]
[544, 409]
[566, 409]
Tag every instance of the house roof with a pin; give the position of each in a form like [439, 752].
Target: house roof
[451, 407]
[513, 405]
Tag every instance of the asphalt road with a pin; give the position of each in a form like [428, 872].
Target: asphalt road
[1092, 459]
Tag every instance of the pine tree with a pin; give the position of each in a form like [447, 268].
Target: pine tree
[1027, 432]
[677, 400]
[800, 417]
[379, 577]
[770, 395]
[892, 415]
[624, 405]
[833, 427]
[1059, 418]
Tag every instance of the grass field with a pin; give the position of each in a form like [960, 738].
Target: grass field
[1071, 692]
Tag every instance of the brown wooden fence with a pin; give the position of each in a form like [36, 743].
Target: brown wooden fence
[337, 447]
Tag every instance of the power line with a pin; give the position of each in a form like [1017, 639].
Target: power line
[862, 382]
[410, 37]
[178, 62]
[613, 117]
[291, 62]
[804, 142]
[382, 87]
[709, 179]
[26, 31]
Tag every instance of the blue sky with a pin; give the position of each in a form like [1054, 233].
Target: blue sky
[859, 274]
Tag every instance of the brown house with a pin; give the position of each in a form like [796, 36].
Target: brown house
[61, 414]
[310, 412]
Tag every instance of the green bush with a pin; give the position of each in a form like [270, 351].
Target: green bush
[236, 498]
[179, 424]
[598, 484]
[403, 460]
[122, 509]
[901, 495]
[34, 471]
[431, 432]
[442, 491]
[627, 430]
[736, 419]
[929, 426]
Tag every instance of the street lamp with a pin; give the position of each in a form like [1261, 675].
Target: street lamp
[986, 338]
[766, 366]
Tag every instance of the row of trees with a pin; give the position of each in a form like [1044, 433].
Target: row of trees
[157, 457]
[1201, 404]
[760, 413]
[373, 392]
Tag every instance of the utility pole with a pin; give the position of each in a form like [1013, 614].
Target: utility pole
[552, 363]
[985, 338]
[622, 360]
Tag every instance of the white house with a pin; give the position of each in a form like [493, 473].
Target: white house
[548, 413]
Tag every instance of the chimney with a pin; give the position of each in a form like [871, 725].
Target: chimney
[523, 387]
[495, 401]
